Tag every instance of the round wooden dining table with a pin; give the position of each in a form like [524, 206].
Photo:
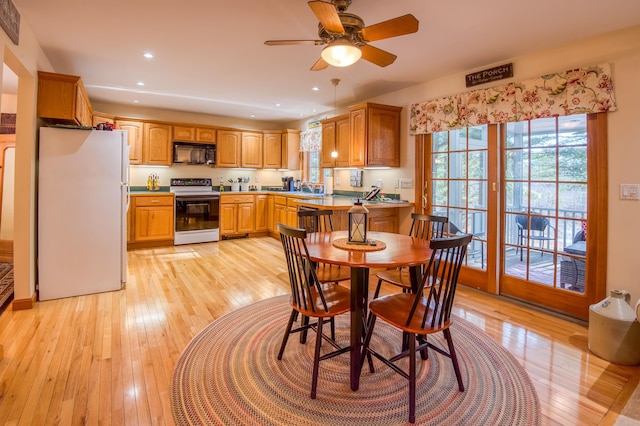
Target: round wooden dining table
[399, 251]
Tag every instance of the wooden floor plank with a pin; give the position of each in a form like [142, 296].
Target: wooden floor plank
[107, 358]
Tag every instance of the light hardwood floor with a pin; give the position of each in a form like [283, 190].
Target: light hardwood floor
[107, 358]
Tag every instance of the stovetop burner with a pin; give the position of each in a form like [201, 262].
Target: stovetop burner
[192, 185]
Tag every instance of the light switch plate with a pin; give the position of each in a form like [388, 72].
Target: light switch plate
[629, 191]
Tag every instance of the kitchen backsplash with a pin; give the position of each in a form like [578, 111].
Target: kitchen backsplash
[265, 178]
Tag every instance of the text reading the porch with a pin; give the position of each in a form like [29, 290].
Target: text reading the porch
[496, 73]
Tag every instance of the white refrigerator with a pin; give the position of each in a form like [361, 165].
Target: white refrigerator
[83, 195]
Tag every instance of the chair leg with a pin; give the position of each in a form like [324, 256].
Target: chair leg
[367, 339]
[303, 333]
[377, 292]
[316, 360]
[412, 378]
[292, 318]
[454, 358]
[332, 326]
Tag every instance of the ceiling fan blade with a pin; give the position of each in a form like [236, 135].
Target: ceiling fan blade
[327, 15]
[401, 25]
[286, 42]
[377, 56]
[319, 65]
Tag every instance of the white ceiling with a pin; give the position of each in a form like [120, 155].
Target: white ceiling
[210, 55]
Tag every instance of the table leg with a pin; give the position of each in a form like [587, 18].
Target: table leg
[359, 287]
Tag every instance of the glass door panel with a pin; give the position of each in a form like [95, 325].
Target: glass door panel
[545, 202]
[459, 167]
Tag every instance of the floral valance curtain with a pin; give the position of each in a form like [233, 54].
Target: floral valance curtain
[311, 140]
[576, 91]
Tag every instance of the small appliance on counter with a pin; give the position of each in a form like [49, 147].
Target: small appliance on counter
[288, 184]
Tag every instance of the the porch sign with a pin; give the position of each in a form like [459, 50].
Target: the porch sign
[10, 20]
[496, 73]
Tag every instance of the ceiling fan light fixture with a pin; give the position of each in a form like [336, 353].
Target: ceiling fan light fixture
[341, 53]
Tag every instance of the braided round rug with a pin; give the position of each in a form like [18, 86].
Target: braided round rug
[229, 375]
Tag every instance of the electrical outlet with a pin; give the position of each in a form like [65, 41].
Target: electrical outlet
[406, 183]
[396, 183]
[256, 180]
[379, 183]
[337, 181]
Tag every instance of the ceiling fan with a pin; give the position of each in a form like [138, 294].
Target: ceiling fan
[347, 37]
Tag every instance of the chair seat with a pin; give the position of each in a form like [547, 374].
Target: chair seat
[331, 273]
[336, 297]
[393, 309]
[397, 277]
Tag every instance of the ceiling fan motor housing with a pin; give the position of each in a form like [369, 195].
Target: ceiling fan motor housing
[352, 25]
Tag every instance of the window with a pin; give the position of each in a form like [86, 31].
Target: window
[311, 171]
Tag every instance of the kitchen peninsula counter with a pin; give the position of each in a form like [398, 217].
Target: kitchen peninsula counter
[384, 216]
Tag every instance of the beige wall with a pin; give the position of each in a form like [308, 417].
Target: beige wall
[24, 60]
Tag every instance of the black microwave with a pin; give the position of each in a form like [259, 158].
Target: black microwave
[194, 153]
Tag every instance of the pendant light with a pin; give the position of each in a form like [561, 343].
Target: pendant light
[335, 81]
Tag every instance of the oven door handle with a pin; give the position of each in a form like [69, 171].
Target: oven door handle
[197, 197]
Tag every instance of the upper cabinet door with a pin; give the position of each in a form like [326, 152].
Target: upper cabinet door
[184, 133]
[134, 138]
[251, 150]
[328, 144]
[291, 149]
[228, 148]
[272, 150]
[156, 148]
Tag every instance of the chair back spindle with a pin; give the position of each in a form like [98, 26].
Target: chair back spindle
[315, 220]
[426, 226]
[443, 269]
[302, 275]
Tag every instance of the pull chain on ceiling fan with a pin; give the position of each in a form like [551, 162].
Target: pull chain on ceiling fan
[347, 37]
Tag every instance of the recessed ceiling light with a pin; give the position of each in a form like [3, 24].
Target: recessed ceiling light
[135, 101]
[148, 55]
[301, 115]
[252, 115]
[140, 83]
[315, 88]
[277, 105]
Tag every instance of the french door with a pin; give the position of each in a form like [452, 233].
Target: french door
[530, 193]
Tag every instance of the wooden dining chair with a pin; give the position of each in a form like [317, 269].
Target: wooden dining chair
[426, 312]
[425, 227]
[310, 298]
[322, 221]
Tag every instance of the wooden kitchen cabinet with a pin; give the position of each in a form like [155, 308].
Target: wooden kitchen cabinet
[184, 133]
[152, 222]
[206, 134]
[335, 136]
[135, 133]
[157, 146]
[375, 135]
[383, 220]
[290, 149]
[99, 117]
[251, 150]
[62, 99]
[272, 144]
[261, 213]
[228, 148]
[237, 214]
[195, 134]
